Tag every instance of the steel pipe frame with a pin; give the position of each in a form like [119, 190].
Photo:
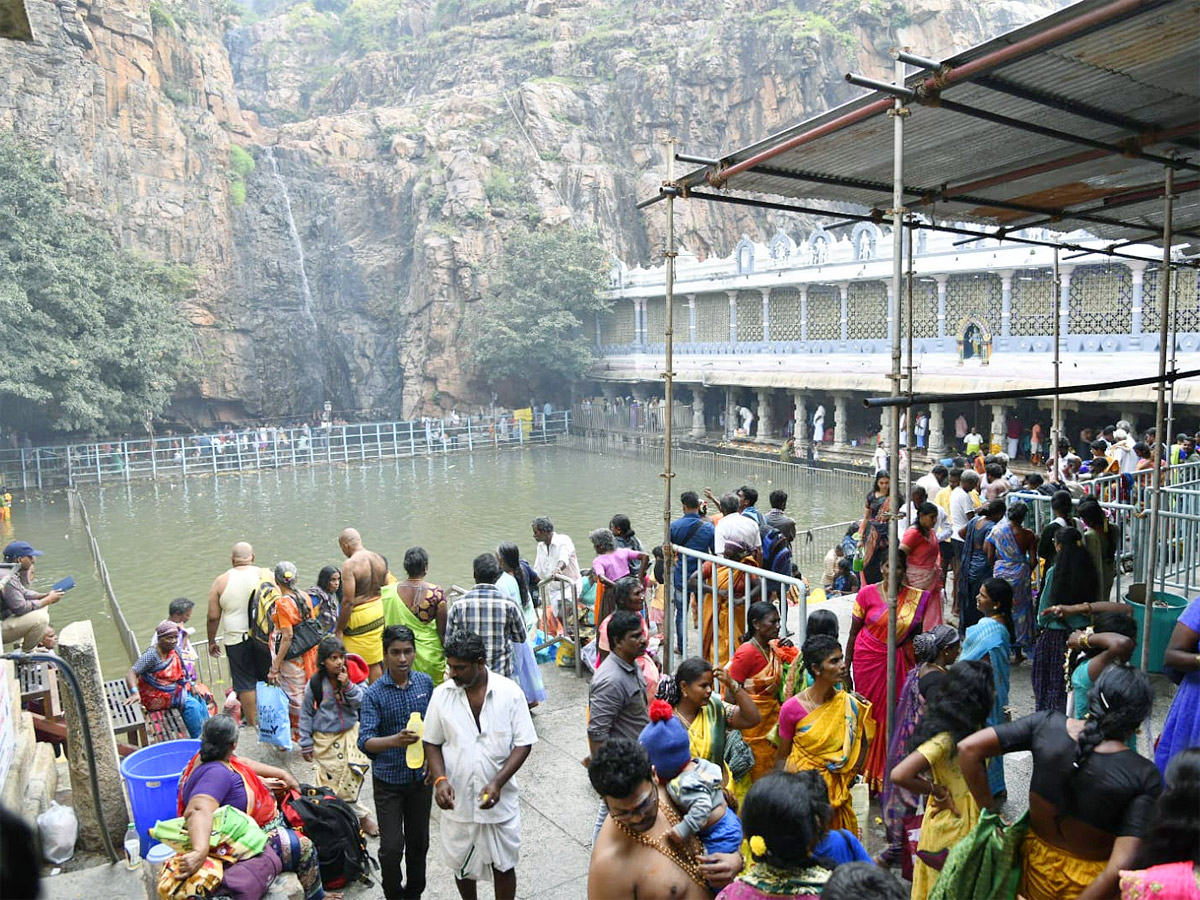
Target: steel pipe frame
[958, 74]
[669, 398]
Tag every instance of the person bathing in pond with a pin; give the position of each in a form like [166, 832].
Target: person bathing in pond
[694, 785]
[329, 729]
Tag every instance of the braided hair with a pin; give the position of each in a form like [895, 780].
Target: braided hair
[1118, 702]
[960, 705]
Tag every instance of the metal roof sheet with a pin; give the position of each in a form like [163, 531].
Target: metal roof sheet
[1122, 72]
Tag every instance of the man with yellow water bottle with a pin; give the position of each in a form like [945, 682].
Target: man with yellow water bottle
[390, 731]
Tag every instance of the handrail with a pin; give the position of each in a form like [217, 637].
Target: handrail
[128, 636]
[573, 589]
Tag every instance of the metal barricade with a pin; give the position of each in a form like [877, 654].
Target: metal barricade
[212, 670]
[769, 586]
[569, 592]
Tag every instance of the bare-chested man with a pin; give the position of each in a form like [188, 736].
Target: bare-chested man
[632, 856]
[360, 622]
[228, 602]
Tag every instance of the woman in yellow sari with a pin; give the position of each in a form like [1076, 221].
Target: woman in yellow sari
[758, 666]
[708, 717]
[826, 729]
[723, 623]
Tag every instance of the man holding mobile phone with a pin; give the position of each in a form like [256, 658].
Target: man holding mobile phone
[24, 615]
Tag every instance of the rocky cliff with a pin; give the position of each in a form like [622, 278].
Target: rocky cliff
[390, 144]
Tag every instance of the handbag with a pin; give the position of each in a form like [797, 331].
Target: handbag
[738, 755]
[305, 635]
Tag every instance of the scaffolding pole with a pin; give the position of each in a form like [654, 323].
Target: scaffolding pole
[898, 113]
[1055, 410]
[1160, 439]
[669, 401]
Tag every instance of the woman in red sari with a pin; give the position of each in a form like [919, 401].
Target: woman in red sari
[923, 556]
[758, 667]
[866, 653]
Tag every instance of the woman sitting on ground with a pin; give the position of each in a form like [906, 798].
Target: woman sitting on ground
[758, 665]
[159, 680]
[1169, 862]
[214, 778]
[826, 729]
[957, 709]
[1090, 798]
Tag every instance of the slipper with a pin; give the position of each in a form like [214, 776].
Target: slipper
[369, 826]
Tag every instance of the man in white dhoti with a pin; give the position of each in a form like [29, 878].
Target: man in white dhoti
[478, 733]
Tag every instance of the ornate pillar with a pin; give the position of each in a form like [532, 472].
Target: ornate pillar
[691, 318]
[1137, 272]
[804, 312]
[639, 322]
[766, 295]
[599, 339]
[730, 413]
[999, 424]
[839, 421]
[801, 431]
[766, 427]
[732, 316]
[698, 429]
[844, 289]
[1006, 280]
[937, 433]
[1064, 301]
[942, 281]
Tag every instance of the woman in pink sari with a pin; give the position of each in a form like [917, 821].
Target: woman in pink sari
[866, 654]
[924, 557]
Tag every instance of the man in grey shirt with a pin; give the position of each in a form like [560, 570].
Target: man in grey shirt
[617, 701]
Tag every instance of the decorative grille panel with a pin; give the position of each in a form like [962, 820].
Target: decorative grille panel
[924, 309]
[1033, 302]
[712, 318]
[749, 316]
[976, 295]
[1184, 301]
[656, 318]
[616, 326]
[785, 314]
[824, 313]
[868, 310]
[1101, 300]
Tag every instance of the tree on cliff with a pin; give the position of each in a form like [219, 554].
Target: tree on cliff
[93, 337]
[529, 338]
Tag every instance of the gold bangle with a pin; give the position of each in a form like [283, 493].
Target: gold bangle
[1084, 643]
[439, 780]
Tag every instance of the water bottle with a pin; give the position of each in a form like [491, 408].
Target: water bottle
[133, 847]
[414, 754]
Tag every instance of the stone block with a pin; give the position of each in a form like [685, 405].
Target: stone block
[41, 781]
[13, 792]
[77, 647]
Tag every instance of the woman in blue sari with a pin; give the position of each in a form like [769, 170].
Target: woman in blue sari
[991, 638]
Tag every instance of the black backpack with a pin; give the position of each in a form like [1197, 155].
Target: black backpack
[329, 822]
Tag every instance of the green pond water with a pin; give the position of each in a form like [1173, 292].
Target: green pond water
[168, 539]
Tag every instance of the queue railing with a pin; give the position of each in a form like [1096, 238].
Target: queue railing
[99, 462]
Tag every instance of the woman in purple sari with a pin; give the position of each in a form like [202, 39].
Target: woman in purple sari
[934, 652]
[866, 653]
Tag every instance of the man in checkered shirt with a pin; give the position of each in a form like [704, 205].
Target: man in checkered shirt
[485, 611]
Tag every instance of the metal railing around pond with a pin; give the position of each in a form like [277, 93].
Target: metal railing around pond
[127, 635]
[258, 449]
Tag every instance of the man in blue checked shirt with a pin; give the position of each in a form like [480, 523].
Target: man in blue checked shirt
[402, 798]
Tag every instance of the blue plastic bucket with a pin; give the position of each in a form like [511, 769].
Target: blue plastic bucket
[152, 779]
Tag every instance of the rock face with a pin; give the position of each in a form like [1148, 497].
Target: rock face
[395, 142]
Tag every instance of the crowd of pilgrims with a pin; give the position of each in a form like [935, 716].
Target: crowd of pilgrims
[764, 749]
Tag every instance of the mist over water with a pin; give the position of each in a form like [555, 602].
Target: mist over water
[170, 539]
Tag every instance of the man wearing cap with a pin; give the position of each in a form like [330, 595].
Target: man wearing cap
[294, 639]
[24, 614]
[228, 611]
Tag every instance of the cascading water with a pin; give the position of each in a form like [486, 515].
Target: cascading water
[294, 234]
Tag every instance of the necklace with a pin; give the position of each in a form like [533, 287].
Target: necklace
[682, 858]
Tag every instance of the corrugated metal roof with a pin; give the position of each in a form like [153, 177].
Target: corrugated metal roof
[1121, 72]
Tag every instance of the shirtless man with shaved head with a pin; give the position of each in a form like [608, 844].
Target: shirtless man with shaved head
[228, 601]
[360, 622]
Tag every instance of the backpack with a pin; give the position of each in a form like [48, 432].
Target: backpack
[261, 605]
[329, 822]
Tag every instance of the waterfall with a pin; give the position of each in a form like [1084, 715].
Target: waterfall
[294, 234]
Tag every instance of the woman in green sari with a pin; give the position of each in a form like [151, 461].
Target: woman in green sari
[421, 606]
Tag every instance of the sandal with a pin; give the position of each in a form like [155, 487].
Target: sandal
[369, 826]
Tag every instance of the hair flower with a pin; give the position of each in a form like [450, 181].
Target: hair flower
[758, 846]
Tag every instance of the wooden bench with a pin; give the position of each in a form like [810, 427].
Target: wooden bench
[127, 718]
[39, 684]
[165, 725]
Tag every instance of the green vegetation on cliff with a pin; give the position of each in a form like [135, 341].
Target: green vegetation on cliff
[93, 336]
[529, 336]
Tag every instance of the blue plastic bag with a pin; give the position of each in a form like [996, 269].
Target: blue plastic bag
[526, 672]
[274, 726]
[546, 654]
